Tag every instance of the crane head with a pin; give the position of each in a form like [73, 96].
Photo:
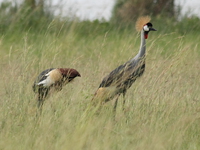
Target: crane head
[148, 27]
[69, 72]
[143, 24]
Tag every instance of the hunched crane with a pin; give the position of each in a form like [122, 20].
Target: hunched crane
[52, 79]
[121, 79]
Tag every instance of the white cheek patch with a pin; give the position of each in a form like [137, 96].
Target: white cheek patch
[146, 28]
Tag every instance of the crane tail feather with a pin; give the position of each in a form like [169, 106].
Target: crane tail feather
[104, 94]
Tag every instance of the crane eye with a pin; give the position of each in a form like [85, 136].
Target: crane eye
[146, 28]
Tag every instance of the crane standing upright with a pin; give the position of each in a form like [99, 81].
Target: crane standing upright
[52, 79]
[121, 78]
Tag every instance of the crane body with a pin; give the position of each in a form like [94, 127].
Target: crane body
[120, 79]
[52, 79]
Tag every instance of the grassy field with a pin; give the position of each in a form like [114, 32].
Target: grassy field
[162, 110]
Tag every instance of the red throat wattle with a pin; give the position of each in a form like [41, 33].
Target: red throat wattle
[145, 35]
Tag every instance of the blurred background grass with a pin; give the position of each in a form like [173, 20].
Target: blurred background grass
[162, 107]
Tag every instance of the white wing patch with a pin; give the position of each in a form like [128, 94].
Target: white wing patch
[48, 81]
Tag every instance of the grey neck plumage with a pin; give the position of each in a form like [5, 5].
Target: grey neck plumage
[141, 53]
[142, 46]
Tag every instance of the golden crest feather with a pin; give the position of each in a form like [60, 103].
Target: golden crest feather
[141, 21]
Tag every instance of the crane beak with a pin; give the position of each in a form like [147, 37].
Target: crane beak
[152, 29]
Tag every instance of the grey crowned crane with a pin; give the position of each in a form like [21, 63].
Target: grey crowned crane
[52, 79]
[121, 78]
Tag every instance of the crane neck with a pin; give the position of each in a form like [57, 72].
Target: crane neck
[142, 50]
[141, 53]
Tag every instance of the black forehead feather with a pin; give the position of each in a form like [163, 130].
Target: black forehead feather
[149, 24]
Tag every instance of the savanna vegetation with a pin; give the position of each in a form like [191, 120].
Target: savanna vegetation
[162, 110]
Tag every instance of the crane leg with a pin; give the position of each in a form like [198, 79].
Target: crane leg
[115, 105]
[42, 94]
[124, 100]
[40, 103]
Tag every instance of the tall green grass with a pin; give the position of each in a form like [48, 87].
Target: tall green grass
[162, 110]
